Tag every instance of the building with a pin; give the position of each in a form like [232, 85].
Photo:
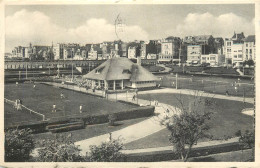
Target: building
[132, 52]
[213, 59]
[120, 73]
[218, 45]
[58, 51]
[143, 50]
[194, 53]
[170, 49]
[151, 56]
[233, 48]
[237, 53]
[249, 48]
[92, 54]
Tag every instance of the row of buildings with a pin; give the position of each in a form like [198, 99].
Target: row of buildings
[191, 49]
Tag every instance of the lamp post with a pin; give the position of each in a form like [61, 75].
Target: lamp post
[176, 80]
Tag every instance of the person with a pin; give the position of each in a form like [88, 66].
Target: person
[227, 93]
[19, 105]
[133, 99]
[54, 108]
[159, 85]
[34, 85]
[62, 95]
[80, 109]
[236, 88]
[16, 83]
[16, 103]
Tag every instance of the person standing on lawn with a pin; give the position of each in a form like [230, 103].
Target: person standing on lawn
[80, 109]
[54, 108]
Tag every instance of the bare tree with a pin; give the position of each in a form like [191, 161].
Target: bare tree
[188, 122]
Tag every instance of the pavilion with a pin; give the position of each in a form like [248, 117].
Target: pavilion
[120, 73]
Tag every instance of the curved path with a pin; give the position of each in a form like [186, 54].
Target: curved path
[130, 133]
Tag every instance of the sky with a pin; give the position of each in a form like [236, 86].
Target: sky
[44, 24]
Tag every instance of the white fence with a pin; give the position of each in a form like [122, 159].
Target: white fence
[30, 110]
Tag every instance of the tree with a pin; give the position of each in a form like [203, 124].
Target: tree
[247, 140]
[106, 152]
[18, 145]
[61, 149]
[250, 63]
[187, 123]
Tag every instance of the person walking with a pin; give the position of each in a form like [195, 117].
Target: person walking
[133, 99]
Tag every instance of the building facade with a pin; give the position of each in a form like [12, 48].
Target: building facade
[194, 53]
[132, 52]
[249, 48]
[213, 59]
[170, 49]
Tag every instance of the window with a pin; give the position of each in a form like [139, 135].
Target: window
[250, 51]
[228, 43]
[246, 50]
[239, 56]
[235, 56]
[246, 45]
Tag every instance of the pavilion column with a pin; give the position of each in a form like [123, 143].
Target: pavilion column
[114, 86]
[105, 84]
[122, 84]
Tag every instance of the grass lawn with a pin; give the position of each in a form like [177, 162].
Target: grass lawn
[12, 116]
[154, 68]
[234, 156]
[90, 130]
[42, 98]
[226, 120]
[217, 85]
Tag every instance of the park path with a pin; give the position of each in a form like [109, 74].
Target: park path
[132, 132]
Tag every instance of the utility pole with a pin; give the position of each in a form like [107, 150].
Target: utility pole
[49, 70]
[180, 55]
[176, 81]
[26, 70]
[19, 75]
[72, 71]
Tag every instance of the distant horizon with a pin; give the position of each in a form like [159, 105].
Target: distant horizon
[86, 24]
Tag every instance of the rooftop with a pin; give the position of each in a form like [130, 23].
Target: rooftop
[118, 69]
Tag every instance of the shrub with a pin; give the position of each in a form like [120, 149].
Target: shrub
[111, 119]
[106, 152]
[61, 149]
[18, 145]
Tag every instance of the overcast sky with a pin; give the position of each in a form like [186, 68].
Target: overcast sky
[42, 24]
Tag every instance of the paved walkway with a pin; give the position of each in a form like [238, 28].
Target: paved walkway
[132, 132]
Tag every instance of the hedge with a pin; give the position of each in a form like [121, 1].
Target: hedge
[171, 155]
[41, 126]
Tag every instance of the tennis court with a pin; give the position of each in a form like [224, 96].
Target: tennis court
[216, 85]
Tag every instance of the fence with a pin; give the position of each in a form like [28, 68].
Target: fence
[30, 110]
